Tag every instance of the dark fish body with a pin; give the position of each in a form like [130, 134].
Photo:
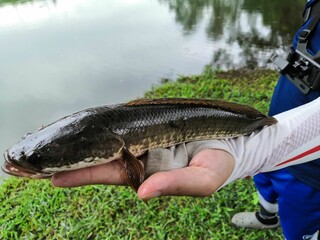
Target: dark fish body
[102, 134]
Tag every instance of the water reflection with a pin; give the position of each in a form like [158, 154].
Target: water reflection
[244, 31]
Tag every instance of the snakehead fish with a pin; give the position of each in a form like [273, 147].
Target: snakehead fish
[126, 131]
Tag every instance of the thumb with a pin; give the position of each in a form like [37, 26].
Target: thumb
[208, 170]
[189, 181]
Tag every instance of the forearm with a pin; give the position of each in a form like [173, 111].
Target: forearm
[293, 140]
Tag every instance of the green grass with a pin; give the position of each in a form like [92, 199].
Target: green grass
[243, 86]
[3, 2]
[33, 209]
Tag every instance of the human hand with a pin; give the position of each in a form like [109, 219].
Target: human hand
[206, 172]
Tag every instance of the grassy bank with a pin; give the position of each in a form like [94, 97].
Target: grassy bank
[33, 209]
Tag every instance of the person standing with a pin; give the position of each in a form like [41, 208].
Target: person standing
[291, 196]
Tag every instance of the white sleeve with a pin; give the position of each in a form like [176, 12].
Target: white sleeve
[294, 139]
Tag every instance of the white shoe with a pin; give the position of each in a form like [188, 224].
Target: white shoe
[250, 220]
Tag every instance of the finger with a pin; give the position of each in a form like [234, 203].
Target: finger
[208, 170]
[110, 173]
[189, 181]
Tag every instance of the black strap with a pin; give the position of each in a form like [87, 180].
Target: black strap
[315, 8]
[311, 10]
[305, 33]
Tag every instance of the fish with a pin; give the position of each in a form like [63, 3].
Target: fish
[125, 132]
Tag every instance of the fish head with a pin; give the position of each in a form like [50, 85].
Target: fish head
[67, 144]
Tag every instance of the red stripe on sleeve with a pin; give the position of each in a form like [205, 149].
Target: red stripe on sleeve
[306, 153]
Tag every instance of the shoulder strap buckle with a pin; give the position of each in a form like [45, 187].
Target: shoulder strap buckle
[303, 36]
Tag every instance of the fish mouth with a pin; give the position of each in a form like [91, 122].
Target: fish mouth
[12, 168]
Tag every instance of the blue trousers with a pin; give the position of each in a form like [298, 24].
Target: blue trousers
[299, 204]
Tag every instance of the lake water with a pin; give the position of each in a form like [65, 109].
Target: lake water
[61, 56]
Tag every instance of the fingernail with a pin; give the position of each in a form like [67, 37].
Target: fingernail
[54, 180]
[57, 180]
[151, 195]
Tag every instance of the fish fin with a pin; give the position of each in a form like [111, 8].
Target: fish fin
[133, 169]
[218, 104]
[269, 121]
[266, 121]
